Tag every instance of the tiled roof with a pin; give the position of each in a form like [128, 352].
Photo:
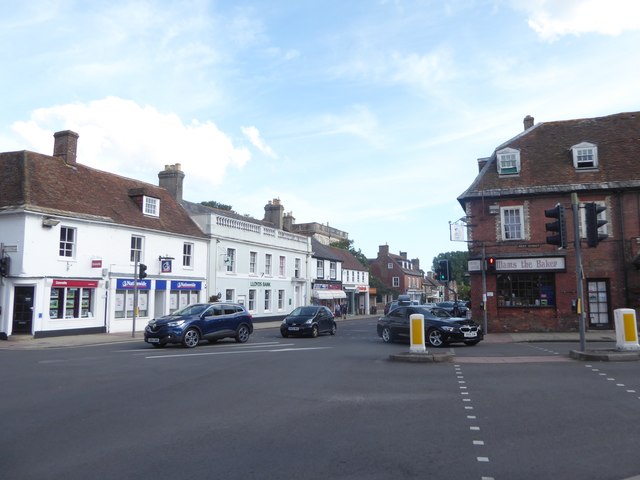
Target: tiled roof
[44, 183]
[323, 251]
[547, 163]
[349, 262]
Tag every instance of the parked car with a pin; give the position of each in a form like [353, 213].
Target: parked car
[310, 320]
[401, 300]
[211, 321]
[440, 327]
[452, 306]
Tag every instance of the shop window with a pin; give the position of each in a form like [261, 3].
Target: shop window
[125, 300]
[71, 302]
[526, 290]
[252, 300]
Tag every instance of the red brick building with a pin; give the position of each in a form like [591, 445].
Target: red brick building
[398, 273]
[534, 283]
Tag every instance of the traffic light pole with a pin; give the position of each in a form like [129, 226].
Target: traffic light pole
[579, 273]
[135, 297]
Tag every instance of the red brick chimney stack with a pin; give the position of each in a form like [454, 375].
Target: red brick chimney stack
[66, 146]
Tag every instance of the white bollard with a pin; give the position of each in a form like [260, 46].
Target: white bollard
[626, 329]
[416, 324]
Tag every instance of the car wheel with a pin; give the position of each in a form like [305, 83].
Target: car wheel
[191, 338]
[242, 335]
[334, 328]
[434, 337]
[386, 335]
[472, 342]
[314, 331]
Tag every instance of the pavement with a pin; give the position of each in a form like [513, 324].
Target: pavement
[26, 342]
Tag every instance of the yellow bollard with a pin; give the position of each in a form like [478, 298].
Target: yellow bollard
[626, 329]
[416, 323]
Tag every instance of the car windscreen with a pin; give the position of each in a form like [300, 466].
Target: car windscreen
[303, 311]
[195, 309]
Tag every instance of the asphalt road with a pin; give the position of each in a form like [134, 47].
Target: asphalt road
[324, 408]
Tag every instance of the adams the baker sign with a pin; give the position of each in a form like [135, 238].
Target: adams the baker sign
[529, 264]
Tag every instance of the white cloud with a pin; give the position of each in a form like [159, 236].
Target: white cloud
[552, 19]
[120, 136]
[253, 135]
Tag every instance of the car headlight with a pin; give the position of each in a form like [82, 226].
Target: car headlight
[176, 323]
[448, 329]
[309, 322]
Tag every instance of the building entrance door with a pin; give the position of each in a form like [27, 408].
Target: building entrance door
[23, 309]
[598, 303]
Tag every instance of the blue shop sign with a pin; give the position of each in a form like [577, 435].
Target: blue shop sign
[161, 284]
[129, 284]
[185, 285]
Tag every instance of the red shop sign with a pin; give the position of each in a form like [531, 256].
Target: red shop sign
[76, 283]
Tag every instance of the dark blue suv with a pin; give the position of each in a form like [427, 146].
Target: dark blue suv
[211, 321]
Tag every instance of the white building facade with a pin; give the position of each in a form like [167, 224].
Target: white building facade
[263, 268]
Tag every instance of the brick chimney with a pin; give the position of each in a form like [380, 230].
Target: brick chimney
[383, 251]
[171, 179]
[65, 145]
[273, 213]
[528, 122]
[288, 221]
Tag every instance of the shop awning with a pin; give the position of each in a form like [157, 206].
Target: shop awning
[328, 294]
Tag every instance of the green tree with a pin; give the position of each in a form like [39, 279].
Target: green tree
[458, 262]
[218, 205]
[348, 245]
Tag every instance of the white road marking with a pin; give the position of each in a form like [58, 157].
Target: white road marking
[241, 351]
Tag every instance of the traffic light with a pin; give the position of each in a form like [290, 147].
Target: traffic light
[5, 266]
[558, 228]
[592, 210]
[444, 273]
[142, 271]
[491, 264]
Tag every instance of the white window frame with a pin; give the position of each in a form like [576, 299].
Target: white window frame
[252, 300]
[267, 264]
[585, 156]
[187, 255]
[332, 270]
[253, 262]
[267, 300]
[298, 264]
[151, 206]
[280, 299]
[390, 266]
[137, 247]
[229, 295]
[320, 269]
[395, 282]
[67, 246]
[282, 269]
[508, 161]
[506, 229]
[230, 260]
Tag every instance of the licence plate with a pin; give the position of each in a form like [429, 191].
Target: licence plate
[293, 329]
[470, 334]
[153, 340]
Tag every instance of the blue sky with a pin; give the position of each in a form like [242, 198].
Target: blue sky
[366, 115]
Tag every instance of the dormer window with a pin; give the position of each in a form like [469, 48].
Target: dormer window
[508, 161]
[151, 206]
[585, 156]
